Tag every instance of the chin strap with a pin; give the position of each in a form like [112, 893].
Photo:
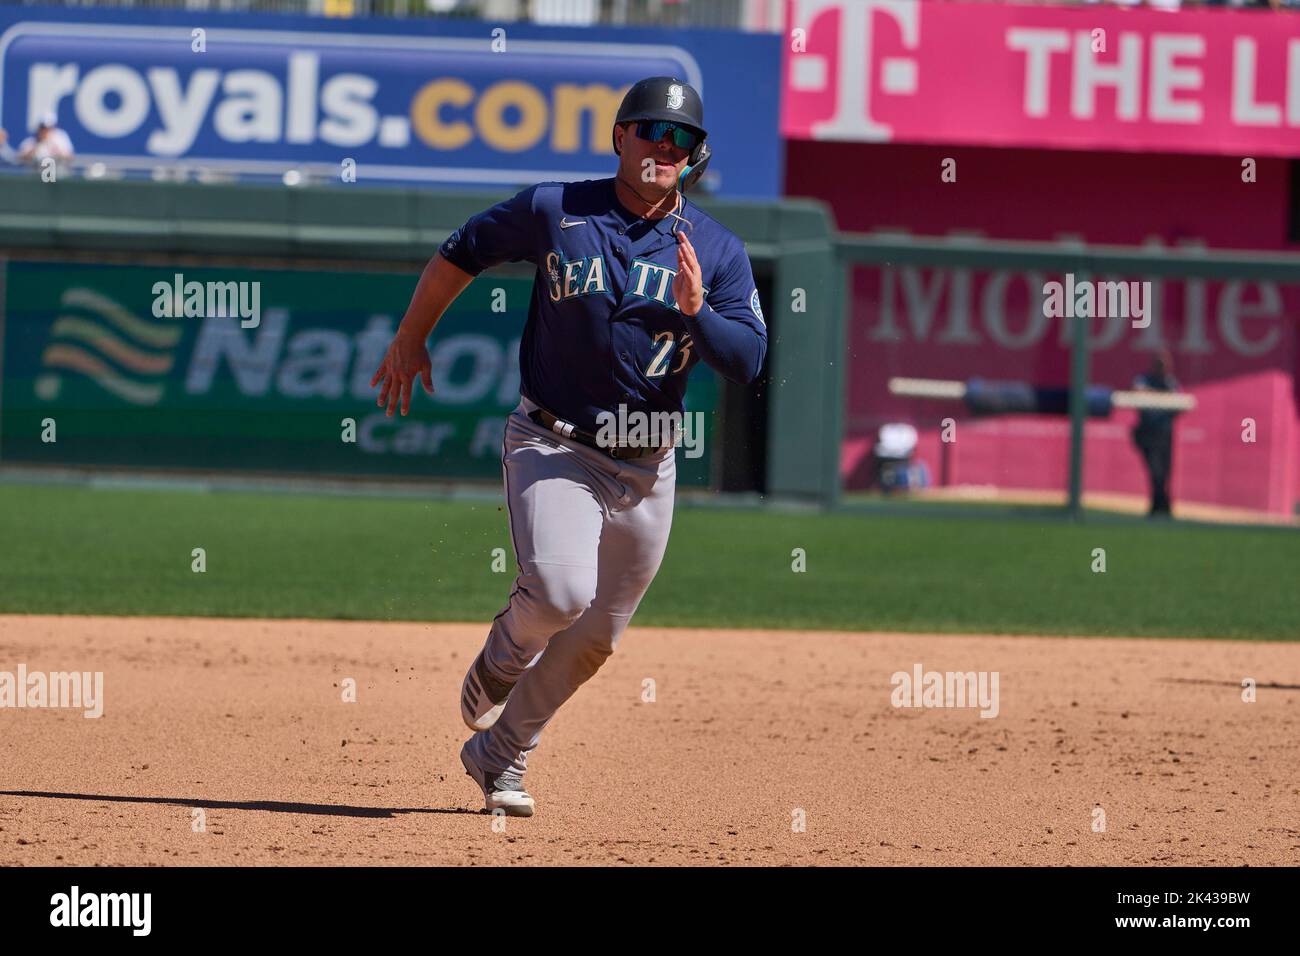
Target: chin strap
[676, 191]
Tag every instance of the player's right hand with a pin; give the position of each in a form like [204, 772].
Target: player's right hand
[407, 359]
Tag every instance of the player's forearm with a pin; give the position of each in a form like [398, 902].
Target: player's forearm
[438, 287]
[734, 349]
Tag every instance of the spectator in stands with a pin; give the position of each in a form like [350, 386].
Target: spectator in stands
[1154, 433]
[48, 142]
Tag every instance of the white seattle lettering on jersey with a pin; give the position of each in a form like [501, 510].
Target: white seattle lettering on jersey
[571, 270]
[640, 274]
[664, 275]
[641, 282]
[595, 281]
[568, 278]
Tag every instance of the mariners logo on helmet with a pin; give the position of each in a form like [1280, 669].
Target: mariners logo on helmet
[675, 96]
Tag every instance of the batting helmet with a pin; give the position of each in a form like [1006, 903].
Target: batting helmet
[671, 100]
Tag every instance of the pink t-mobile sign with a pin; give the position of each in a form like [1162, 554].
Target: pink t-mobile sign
[1202, 81]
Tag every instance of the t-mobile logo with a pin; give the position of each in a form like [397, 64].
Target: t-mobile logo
[854, 69]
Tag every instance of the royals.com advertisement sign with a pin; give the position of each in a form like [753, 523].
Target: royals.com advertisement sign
[108, 365]
[426, 100]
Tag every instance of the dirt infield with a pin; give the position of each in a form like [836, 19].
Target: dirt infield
[245, 720]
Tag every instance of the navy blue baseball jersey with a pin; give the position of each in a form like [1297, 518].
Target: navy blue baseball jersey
[603, 328]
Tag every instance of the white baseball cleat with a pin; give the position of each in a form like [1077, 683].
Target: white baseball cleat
[503, 792]
[482, 696]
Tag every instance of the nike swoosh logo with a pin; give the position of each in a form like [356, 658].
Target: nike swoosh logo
[568, 223]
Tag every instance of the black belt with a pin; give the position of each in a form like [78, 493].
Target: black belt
[619, 452]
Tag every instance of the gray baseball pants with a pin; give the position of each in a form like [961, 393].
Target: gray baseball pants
[589, 533]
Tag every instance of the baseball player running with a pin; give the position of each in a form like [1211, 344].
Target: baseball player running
[635, 285]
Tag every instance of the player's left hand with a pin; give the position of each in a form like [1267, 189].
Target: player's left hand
[688, 284]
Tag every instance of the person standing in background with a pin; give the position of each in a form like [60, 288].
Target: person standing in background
[1154, 432]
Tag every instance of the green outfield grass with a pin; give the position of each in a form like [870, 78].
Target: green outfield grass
[77, 550]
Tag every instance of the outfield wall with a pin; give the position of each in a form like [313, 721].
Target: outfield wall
[84, 346]
[125, 388]
[1233, 342]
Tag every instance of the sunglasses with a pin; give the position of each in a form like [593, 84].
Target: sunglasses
[683, 136]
